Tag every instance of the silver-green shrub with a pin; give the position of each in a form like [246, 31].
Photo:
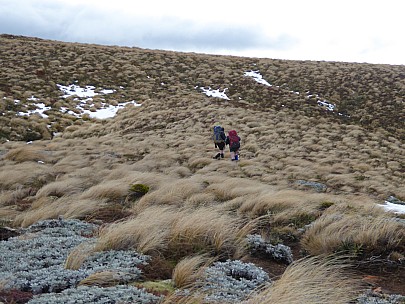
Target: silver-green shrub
[35, 260]
[232, 281]
[108, 295]
[278, 252]
[370, 297]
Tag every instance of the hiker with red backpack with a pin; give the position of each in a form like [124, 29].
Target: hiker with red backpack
[219, 141]
[233, 140]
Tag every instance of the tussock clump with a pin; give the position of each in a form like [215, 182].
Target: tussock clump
[27, 174]
[362, 236]
[60, 188]
[176, 233]
[229, 188]
[67, 207]
[27, 153]
[313, 280]
[188, 270]
[148, 232]
[172, 193]
[206, 230]
[286, 206]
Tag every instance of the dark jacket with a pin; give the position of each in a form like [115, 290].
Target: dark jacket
[235, 148]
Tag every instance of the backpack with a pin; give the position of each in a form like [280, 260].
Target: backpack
[233, 139]
[217, 135]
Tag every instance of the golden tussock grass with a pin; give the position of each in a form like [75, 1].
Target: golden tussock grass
[181, 172]
[102, 279]
[252, 170]
[8, 213]
[200, 199]
[111, 190]
[353, 233]
[176, 233]
[196, 297]
[27, 153]
[199, 162]
[205, 229]
[60, 188]
[129, 175]
[189, 269]
[78, 255]
[173, 192]
[313, 280]
[147, 233]
[225, 188]
[70, 163]
[67, 207]
[29, 174]
[11, 197]
[158, 161]
[276, 202]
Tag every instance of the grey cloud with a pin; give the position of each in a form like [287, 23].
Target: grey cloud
[91, 24]
[184, 36]
[42, 19]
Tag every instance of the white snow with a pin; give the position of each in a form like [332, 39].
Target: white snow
[215, 93]
[83, 96]
[329, 106]
[396, 208]
[86, 93]
[41, 108]
[257, 77]
[75, 90]
[321, 102]
[109, 111]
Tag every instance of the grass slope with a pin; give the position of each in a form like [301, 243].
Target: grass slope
[194, 205]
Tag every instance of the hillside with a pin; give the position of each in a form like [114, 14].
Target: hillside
[322, 148]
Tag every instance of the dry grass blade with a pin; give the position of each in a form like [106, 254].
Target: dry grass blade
[313, 280]
[101, 279]
[148, 232]
[78, 255]
[354, 234]
[24, 154]
[189, 269]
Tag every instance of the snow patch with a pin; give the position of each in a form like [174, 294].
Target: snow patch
[391, 207]
[215, 93]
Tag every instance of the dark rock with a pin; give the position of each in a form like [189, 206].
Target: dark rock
[6, 233]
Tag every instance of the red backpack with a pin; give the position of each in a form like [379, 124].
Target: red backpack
[233, 139]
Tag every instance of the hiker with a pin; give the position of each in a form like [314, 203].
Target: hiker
[233, 140]
[219, 141]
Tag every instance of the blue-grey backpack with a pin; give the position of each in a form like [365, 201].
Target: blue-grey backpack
[217, 135]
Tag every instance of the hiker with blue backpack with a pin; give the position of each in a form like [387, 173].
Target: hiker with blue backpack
[233, 140]
[219, 138]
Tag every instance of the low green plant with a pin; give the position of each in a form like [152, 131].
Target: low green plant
[325, 205]
[351, 248]
[138, 190]
[163, 287]
[302, 219]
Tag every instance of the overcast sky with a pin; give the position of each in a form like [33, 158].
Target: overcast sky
[332, 30]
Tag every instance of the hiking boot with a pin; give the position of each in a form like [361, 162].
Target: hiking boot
[217, 156]
[222, 155]
[236, 157]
